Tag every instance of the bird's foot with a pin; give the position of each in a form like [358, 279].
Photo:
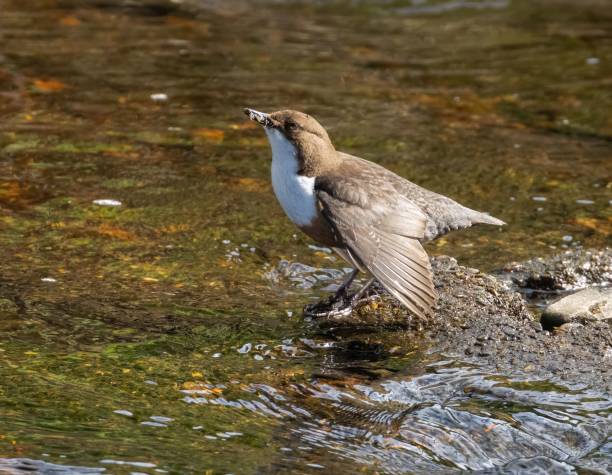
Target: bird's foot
[335, 307]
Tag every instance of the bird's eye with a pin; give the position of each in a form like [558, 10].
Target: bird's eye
[290, 125]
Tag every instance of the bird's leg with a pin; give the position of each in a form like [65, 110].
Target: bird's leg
[357, 295]
[342, 291]
[334, 305]
[341, 304]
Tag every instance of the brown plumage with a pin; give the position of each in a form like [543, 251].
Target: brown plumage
[373, 218]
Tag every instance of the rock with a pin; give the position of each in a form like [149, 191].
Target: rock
[482, 320]
[568, 327]
[464, 297]
[573, 269]
[592, 303]
[537, 326]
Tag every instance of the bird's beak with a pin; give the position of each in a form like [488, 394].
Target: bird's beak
[260, 117]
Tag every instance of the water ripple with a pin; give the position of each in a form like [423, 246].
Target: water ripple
[447, 420]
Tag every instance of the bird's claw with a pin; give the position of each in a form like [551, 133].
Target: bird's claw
[335, 308]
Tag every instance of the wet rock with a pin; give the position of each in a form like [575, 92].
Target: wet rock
[573, 269]
[464, 296]
[592, 304]
[481, 319]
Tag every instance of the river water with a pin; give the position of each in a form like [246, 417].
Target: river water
[151, 287]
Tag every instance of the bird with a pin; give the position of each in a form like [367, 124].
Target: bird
[374, 219]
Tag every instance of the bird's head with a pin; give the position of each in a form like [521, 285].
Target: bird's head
[290, 128]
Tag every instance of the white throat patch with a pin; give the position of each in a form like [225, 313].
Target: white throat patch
[294, 192]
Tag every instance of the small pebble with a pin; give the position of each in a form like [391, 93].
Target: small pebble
[153, 424]
[123, 412]
[585, 202]
[245, 348]
[161, 419]
[107, 202]
[48, 279]
[159, 97]
[216, 355]
[539, 198]
[537, 326]
[592, 61]
[258, 357]
[567, 238]
[124, 462]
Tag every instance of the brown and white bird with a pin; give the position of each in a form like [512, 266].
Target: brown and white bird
[373, 218]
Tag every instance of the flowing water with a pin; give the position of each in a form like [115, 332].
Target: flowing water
[150, 286]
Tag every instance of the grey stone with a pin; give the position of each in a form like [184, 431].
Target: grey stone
[591, 304]
[571, 270]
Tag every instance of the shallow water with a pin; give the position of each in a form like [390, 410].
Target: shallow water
[160, 331]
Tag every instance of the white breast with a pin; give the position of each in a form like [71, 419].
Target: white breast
[294, 192]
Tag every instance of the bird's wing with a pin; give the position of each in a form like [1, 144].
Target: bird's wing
[383, 231]
[443, 214]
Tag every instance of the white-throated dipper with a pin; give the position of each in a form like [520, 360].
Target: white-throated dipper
[373, 218]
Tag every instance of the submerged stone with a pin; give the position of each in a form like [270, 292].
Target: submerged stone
[26, 465]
